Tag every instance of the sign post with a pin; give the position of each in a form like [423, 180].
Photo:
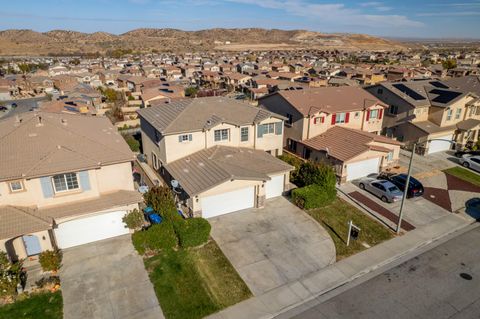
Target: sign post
[353, 232]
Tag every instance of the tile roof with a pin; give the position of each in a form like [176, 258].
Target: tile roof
[210, 167]
[195, 114]
[17, 221]
[41, 144]
[431, 128]
[346, 143]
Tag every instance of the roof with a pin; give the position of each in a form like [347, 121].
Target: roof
[16, 221]
[468, 124]
[465, 84]
[345, 143]
[210, 167]
[197, 114]
[329, 99]
[431, 128]
[42, 144]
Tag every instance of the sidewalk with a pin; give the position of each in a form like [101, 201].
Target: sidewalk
[295, 293]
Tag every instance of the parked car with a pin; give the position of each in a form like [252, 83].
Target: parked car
[383, 189]
[415, 188]
[472, 162]
[466, 152]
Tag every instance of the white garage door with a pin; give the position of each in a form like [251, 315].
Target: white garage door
[440, 146]
[274, 187]
[362, 168]
[89, 229]
[228, 202]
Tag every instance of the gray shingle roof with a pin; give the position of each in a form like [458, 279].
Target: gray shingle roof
[200, 113]
[208, 168]
[43, 144]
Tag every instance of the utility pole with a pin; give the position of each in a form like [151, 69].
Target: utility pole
[405, 191]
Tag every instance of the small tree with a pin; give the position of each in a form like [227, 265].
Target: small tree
[191, 91]
[50, 260]
[449, 64]
[10, 275]
[161, 199]
[134, 219]
[320, 174]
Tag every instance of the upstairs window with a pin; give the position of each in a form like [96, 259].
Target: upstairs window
[393, 109]
[16, 186]
[458, 113]
[221, 135]
[184, 138]
[340, 118]
[244, 134]
[449, 114]
[65, 182]
[289, 119]
[374, 114]
[269, 128]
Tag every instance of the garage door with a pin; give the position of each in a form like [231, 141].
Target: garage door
[274, 187]
[89, 229]
[440, 146]
[228, 202]
[362, 168]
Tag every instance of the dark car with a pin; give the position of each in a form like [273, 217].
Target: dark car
[466, 152]
[415, 189]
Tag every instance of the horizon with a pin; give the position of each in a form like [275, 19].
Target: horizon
[429, 19]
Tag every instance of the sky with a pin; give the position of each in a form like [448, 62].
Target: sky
[400, 18]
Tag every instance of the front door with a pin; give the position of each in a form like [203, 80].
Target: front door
[32, 245]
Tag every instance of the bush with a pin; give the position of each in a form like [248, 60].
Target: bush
[132, 142]
[313, 196]
[160, 198]
[192, 232]
[157, 237]
[320, 174]
[10, 276]
[50, 260]
[134, 219]
[295, 162]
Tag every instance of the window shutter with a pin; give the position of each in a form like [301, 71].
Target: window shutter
[259, 131]
[190, 137]
[278, 128]
[347, 117]
[380, 113]
[47, 187]
[334, 118]
[84, 180]
[179, 139]
[368, 115]
[315, 120]
[322, 119]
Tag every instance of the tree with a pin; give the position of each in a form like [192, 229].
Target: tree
[320, 174]
[132, 142]
[134, 219]
[191, 91]
[449, 64]
[25, 68]
[161, 199]
[10, 276]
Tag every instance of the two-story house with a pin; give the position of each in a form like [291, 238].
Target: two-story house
[65, 180]
[317, 114]
[219, 150]
[429, 113]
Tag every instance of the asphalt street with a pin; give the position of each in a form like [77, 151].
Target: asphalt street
[443, 282]
[23, 105]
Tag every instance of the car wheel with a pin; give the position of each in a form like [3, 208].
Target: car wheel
[466, 164]
[384, 199]
[361, 186]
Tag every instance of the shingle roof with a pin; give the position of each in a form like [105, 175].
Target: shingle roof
[345, 143]
[194, 114]
[207, 168]
[42, 144]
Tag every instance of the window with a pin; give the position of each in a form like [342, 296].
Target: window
[458, 113]
[393, 109]
[390, 156]
[449, 114]
[318, 120]
[184, 138]
[16, 186]
[65, 182]
[269, 128]
[380, 91]
[357, 115]
[157, 136]
[473, 110]
[221, 135]
[374, 114]
[244, 134]
[340, 118]
[289, 119]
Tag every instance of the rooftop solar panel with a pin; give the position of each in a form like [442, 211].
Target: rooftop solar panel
[408, 91]
[445, 96]
[439, 85]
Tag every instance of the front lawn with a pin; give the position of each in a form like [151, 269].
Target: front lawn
[464, 174]
[44, 305]
[335, 217]
[193, 283]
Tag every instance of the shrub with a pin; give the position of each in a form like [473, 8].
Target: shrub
[157, 237]
[160, 198]
[321, 174]
[132, 142]
[295, 162]
[50, 260]
[312, 196]
[192, 232]
[10, 276]
[134, 219]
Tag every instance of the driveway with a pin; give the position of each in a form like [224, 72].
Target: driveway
[272, 246]
[107, 280]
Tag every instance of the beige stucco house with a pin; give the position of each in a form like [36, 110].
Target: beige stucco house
[65, 180]
[219, 150]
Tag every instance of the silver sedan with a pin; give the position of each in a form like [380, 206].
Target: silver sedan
[472, 162]
[383, 189]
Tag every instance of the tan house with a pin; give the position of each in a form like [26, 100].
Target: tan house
[219, 150]
[65, 180]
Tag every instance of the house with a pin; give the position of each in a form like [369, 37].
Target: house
[430, 113]
[164, 91]
[219, 150]
[65, 180]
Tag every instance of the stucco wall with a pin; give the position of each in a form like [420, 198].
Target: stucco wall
[19, 251]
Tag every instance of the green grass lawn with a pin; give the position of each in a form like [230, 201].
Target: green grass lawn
[465, 174]
[193, 283]
[38, 306]
[335, 218]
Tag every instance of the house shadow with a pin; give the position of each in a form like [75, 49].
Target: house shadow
[472, 208]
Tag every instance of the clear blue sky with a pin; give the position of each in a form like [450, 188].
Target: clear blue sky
[402, 18]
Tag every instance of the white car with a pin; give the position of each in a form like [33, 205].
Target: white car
[472, 162]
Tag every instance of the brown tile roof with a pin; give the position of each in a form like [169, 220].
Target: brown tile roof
[431, 128]
[208, 168]
[17, 221]
[329, 99]
[345, 143]
[41, 144]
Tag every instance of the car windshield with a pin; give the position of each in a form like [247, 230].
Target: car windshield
[393, 188]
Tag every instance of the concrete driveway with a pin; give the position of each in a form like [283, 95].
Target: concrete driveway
[272, 246]
[107, 280]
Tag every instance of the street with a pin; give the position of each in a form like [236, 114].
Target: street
[23, 105]
[440, 283]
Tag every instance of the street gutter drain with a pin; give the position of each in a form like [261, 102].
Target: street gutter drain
[466, 276]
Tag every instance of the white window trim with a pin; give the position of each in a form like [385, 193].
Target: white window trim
[185, 140]
[241, 134]
[340, 118]
[221, 135]
[66, 184]
[374, 114]
[458, 113]
[268, 126]
[16, 190]
[449, 114]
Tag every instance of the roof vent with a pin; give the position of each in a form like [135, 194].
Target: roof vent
[187, 159]
[64, 121]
